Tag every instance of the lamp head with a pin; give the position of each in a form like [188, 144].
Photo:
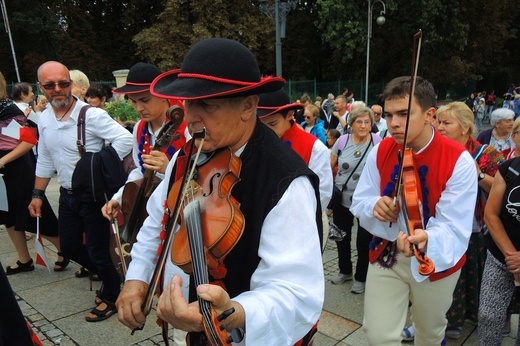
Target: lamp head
[381, 20]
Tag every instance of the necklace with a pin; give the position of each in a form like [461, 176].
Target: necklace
[357, 152]
[66, 112]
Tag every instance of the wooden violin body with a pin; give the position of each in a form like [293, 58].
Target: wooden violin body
[222, 221]
[412, 208]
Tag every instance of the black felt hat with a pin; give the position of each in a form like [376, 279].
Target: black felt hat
[140, 78]
[215, 68]
[275, 102]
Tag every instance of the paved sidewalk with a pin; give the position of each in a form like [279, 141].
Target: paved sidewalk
[56, 305]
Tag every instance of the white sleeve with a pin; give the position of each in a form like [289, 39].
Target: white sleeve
[144, 250]
[320, 164]
[287, 288]
[365, 197]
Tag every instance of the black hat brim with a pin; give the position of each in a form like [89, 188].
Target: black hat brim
[263, 112]
[169, 85]
[131, 89]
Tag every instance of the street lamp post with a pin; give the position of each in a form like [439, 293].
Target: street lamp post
[380, 20]
[278, 12]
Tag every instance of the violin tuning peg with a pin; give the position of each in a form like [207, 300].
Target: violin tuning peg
[222, 327]
[236, 335]
[225, 314]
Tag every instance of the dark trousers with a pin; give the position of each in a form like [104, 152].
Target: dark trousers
[343, 218]
[76, 217]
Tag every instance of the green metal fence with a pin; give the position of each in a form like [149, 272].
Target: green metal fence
[313, 88]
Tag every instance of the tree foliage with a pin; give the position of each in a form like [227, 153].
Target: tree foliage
[325, 39]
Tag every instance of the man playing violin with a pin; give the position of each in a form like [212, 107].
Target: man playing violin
[153, 112]
[446, 188]
[273, 275]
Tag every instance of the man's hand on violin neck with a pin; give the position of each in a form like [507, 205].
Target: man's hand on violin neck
[175, 310]
[385, 210]
[221, 302]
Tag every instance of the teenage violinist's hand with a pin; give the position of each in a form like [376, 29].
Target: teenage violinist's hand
[385, 210]
[405, 242]
[156, 161]
[111, 209]
[173, 309]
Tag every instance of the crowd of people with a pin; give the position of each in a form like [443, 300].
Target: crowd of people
[438, 241]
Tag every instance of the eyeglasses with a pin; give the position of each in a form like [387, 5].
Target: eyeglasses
[308, 117]
[361, 122]
[52, 85]
[378, 113]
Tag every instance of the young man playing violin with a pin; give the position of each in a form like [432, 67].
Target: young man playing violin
[446, 186]
[147, 155]
[273, 274]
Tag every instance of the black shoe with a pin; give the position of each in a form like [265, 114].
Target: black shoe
[22, 267]
[82, 272]
[61, 265]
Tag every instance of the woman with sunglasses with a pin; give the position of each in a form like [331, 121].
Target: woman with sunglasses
[313, 124]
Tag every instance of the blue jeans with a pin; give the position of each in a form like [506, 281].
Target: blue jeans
[76, 217]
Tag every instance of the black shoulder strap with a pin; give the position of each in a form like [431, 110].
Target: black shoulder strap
[81, 130]
[513, 171]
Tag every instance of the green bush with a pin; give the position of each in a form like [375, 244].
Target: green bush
[122, 110]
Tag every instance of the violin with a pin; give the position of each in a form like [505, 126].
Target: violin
[210, 224]
[408, 181]
[136, 193]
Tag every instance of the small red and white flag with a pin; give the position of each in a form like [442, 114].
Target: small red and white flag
[41, 257]
[16, 131]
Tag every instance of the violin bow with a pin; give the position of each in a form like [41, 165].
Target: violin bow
[426, 265]
[115, 229]
[417, 40]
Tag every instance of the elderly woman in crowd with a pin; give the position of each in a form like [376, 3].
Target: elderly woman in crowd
[349, 153]
[502, 268]
[499, 136]
[515, 136]
[456, 121]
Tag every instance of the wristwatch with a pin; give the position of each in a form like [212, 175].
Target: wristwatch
[481, 176]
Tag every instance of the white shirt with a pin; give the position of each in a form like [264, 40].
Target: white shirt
[137, 173]
[340, 127]
[381, 125]
[32, 115]
[320, 165]
[287, 288]
[57, 148]
[451, 224]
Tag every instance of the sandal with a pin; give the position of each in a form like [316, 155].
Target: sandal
[99, 296]
[82, 272]
[102, 315]
[21, 267]
[61, 265]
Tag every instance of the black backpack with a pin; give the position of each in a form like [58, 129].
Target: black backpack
[97, 176]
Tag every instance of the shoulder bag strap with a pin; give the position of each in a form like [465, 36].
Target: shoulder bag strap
[81, 130]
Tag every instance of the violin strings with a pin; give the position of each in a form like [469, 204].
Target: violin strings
[195, 237]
